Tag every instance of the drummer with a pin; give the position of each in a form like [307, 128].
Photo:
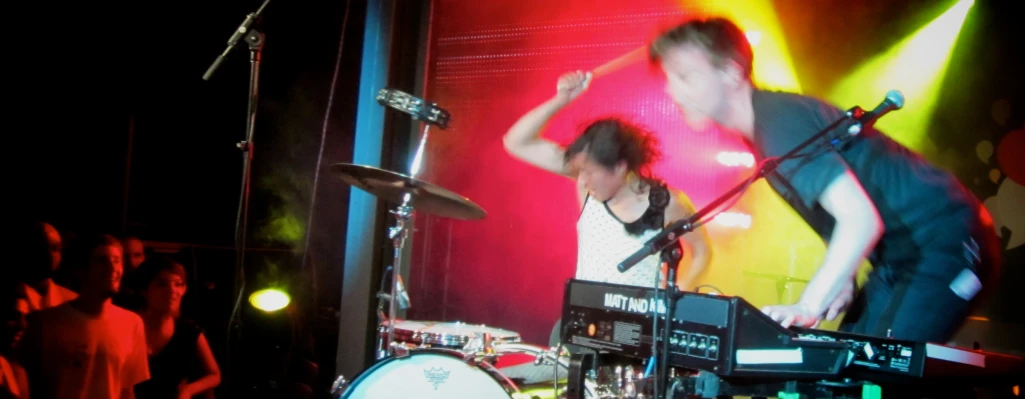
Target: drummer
[622, 203]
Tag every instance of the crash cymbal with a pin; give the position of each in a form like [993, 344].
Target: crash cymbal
[424, 196]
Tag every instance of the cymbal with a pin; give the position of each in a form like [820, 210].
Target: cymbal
[393, 187]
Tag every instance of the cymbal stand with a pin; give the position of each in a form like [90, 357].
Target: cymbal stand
[398, 234]
[382, 297]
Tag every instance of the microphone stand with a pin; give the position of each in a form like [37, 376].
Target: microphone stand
[255, 39]
[242, 29]
[671, 233]
[671, 256]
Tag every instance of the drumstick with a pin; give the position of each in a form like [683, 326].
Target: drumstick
[620, 62]
[616, 64]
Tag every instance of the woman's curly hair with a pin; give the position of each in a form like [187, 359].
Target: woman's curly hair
[609, 141]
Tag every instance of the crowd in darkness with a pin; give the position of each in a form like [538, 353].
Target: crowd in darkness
[97, 316]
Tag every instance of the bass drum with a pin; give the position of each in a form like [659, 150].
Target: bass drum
[430, 373]
[513, 371]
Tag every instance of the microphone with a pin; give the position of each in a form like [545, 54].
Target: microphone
[242, 30]
[894, 100]
[669, 234]
[634, 259]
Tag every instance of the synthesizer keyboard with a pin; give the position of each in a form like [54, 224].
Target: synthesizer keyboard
[720, 334]
[892, 360]
[729, 337]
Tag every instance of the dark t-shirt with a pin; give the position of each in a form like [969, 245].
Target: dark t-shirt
[919, 203]
[173, 364]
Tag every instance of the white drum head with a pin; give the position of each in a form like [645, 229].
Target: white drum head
[430, 375]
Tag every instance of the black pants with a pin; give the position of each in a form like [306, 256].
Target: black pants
[928, 299]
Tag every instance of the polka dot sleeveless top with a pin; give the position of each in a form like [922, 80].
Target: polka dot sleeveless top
[604, 241]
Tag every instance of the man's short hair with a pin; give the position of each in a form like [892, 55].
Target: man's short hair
[719, 37]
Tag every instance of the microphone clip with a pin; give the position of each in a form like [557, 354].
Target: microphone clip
[855, 114]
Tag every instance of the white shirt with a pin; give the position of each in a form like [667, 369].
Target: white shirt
[55, 295]
[603, 242]
[83, 356]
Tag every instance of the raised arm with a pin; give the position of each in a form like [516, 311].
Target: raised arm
[523, 140]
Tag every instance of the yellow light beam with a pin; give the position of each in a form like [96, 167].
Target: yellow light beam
[773, 68]
[915, 66]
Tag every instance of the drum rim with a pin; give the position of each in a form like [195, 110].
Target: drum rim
[421, 337]
[507, 385]
[457, 340]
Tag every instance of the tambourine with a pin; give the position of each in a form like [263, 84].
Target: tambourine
[418, 108]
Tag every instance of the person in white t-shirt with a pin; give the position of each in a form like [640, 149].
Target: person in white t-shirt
[88, 347]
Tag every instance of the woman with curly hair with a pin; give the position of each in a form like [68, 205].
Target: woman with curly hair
[622, 204]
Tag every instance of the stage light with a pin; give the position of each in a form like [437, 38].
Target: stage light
[916, 66]
[269, 299]
[732, 158]
[733, 219]
[773, 68]
[754, 37]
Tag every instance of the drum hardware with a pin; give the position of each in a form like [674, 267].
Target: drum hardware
[552, 352]
[339, 386]
[408, 192]
[480, 342]
[398, 235]
[417, 108]
[490, 357]
[607, 376]
[463, 337]
[403, 298]
[382, 298]
[425, 358]
[540, 359]
[450, 373]
[399, 351]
